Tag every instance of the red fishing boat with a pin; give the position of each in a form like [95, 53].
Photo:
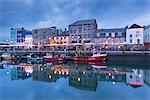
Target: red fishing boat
[50, 58]
[94, 58]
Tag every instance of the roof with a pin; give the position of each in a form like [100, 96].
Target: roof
[114, 30]
[110, 30]
[148, 26]
[88, 21]
[135, 26]
[65, 33]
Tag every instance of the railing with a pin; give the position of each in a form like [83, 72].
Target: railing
[109, 52]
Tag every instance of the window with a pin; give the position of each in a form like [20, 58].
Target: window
[120, 34]
[72, 36]
[80, 28]
[89, 35]
[79, 41]
[107, 34]
[112, 34]
[130, 36]
[102, 34]
[130, 40]
[137, 35]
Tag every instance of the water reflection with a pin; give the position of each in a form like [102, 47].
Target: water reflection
[83, 76]
[21, 72]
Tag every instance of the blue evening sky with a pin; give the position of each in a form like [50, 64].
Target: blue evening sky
[60, 13]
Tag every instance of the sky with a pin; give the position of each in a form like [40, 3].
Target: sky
[32, 14]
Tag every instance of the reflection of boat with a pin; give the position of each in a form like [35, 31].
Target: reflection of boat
[34, 59]
[136, 84]
[97, 65]
[50, 58]
[6, 56]
[95, 57]
[135, 78]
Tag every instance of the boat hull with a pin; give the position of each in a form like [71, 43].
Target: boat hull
[53, 59]
[89, 58]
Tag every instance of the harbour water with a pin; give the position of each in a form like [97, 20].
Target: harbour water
[74, 81]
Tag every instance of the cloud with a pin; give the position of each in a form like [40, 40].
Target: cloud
[29, 2]
[61, 13]
[143, 19]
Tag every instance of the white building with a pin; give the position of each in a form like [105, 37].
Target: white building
[134, 36]
[28, 41]
[147, 37]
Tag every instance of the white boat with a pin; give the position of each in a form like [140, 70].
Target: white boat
[6, 56]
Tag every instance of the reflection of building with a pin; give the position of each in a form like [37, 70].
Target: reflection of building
[45, 74]
[110, 38]
[111, 76]
[83, 79]
[49, 74]
[41, 36]
[21, 72]
[134, 36]
[135, 78]
[147, 77]
[82, 31]
[147, 37]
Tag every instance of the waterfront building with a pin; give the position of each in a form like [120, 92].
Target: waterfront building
[13, 36]
[147, 37]
[41, 36]
[18, 36]
[81, 32]
[28, 41]
[134, 37]
[21, 33]
[61, 40]
[110, 39]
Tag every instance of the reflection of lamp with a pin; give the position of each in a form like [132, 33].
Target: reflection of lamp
[79, 79]
[113, 83]
[49, 76]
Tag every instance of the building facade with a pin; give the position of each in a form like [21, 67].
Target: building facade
[62, 40]
[42, 36]
[13, 35]
[147, 37]
[81, 32]
[134, 36]
[19, 37]
[110, 38]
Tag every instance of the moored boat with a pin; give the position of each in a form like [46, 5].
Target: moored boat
[94, 58]
[51, 58]
[6, 56]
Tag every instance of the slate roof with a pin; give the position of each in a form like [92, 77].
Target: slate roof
[81, 22]
[63, 34]
[135, 26]
[109, 30]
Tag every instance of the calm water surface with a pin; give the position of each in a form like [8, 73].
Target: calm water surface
[73, 81]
